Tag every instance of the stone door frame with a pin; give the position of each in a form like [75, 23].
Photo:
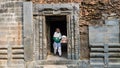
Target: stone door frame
[71, 10]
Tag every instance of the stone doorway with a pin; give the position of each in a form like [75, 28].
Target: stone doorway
[53, 22]
[36, 20]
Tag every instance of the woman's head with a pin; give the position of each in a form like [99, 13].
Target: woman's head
[57, 30]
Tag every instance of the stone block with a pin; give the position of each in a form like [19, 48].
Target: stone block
[96, 34]
[112, 22]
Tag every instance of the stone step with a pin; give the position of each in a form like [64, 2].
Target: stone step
[57, 62]
[62, 66]
[58, 66]
[67, 63]
[55, 66]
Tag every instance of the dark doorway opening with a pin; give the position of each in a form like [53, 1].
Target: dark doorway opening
[53, 22]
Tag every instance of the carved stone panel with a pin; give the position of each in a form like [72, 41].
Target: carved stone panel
[105, 44]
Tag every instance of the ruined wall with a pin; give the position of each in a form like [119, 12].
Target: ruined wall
[93, 12]
[11, 49]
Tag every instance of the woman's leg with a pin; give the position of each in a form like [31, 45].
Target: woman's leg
[55, 47]
[59, 49]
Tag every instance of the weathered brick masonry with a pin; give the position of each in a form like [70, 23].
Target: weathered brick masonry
[92, 12]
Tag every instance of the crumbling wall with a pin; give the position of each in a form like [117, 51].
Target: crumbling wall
[93, 12]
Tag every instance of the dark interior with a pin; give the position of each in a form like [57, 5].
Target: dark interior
[57, 22]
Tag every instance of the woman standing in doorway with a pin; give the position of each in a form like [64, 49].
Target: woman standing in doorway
[57, 44]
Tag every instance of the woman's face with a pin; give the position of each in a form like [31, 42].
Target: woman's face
[58, 30]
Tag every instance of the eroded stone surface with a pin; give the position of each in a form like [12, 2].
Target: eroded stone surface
[93, 12]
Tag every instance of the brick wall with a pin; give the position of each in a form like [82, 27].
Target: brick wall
[10, 32]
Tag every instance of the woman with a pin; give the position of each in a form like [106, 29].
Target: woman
[57, 44]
